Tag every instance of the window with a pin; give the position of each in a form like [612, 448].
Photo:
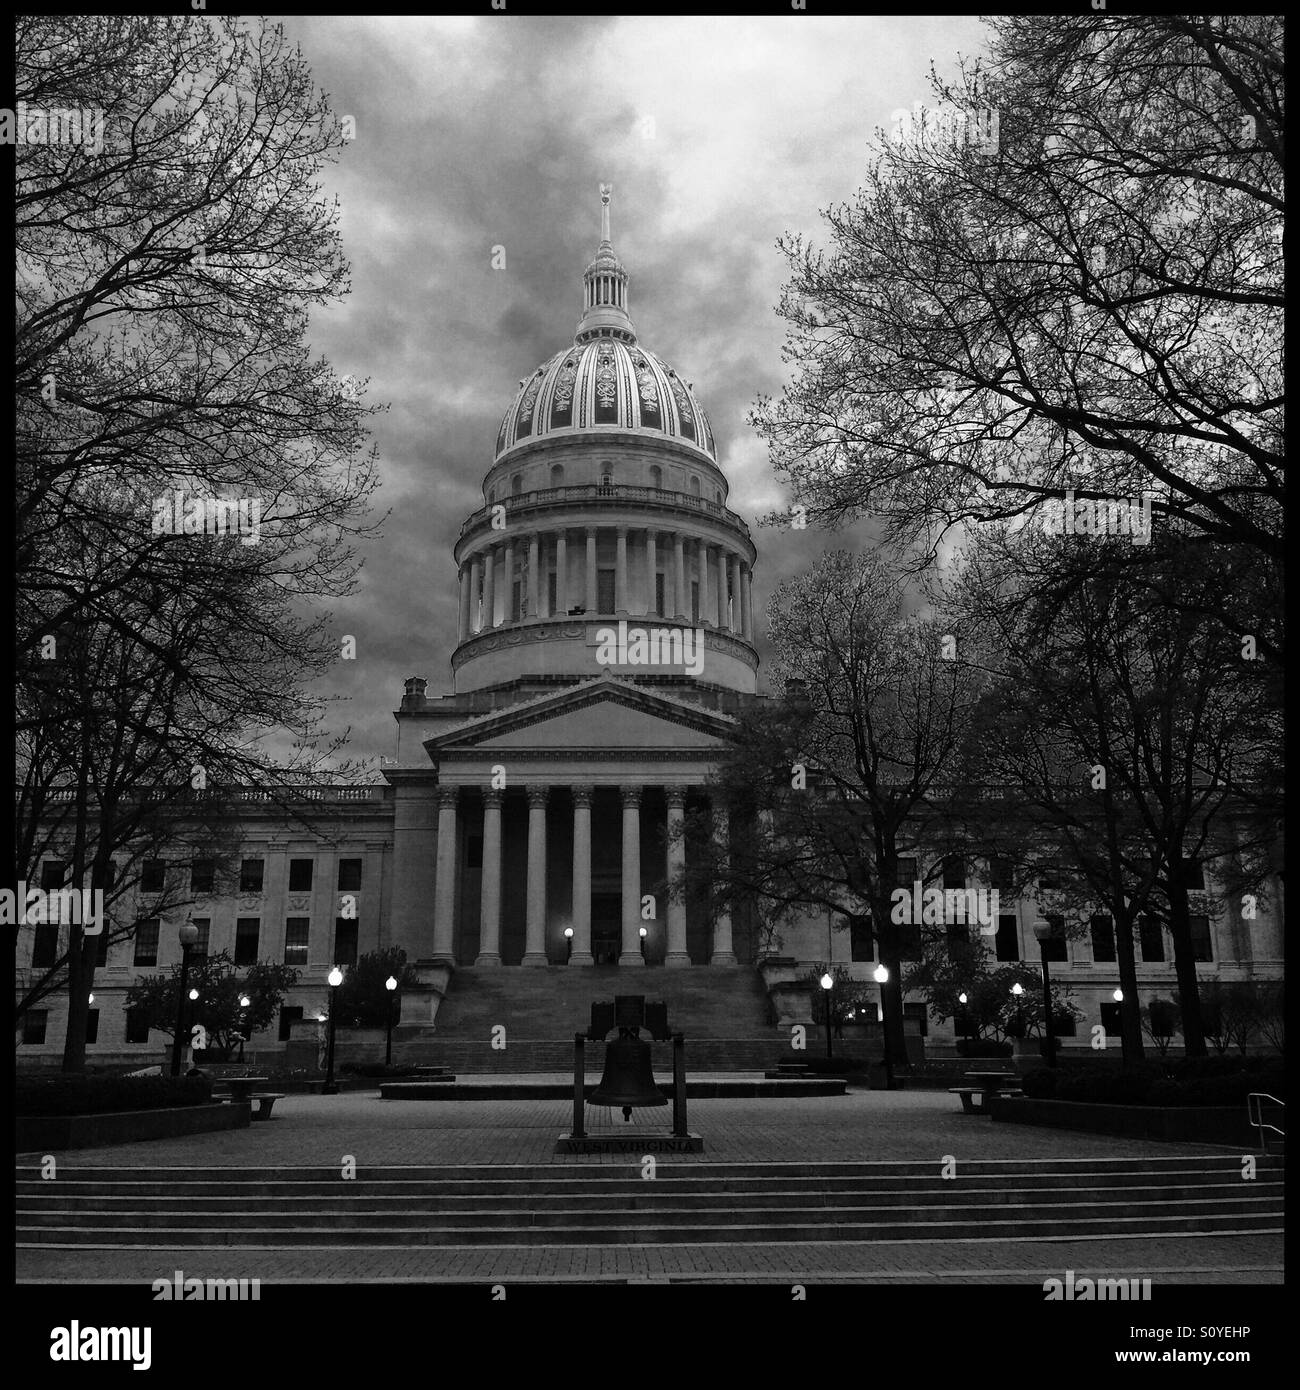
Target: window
[1152, 938]
[137, 1025]
[695, 601]
[906, 875]
[719, 496]
[656, 476]
[1103, 937]
[551, 592]
[203, 925]
[517, 601]
[860, 938]
[247, 930]
[1000, 874]
[92, 1025]
[202, 873]
[45, 948]
[295, 940]
[606, 473]
[1054, 948]
[152, 876]
[349, 875]
[918, 1012]
[1049, 882]
[473, 851]
[557, 475]
[1110, 1019]
[659, 593]
[51, 874]
[146, 942]
[1007, 942]
[516, 485]
[954, 873]
[101, 953]
[1064, 1025]
[34, 1021]
[110, 873]
[604, 591]
[345, 941]
[289, 1015]
[695, 486]
[1200, 931]
[250, 875]
[1195, 872]
[300, 875]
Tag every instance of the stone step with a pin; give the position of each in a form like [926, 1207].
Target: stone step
[523, 1055]
[694, 1228]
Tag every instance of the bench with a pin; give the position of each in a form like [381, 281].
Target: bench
[968, 1094]
[266, 1103]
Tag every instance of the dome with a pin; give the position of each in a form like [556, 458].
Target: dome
[605, 384]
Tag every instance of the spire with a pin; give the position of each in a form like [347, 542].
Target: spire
[604, 285]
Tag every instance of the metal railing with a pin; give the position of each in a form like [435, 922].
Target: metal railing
[598, 493]
[1255, 1114]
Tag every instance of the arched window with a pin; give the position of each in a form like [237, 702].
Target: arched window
[557, 475]
[517, 484]
[695, 485]
[656, 476]
[606, 474]
[719, 495]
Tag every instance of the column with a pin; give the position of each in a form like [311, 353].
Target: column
[734, 566]
[630, 950]
[581, 952]
[746, 598]
[620, 572]
[489, 587]
[591, 570]
[702, 561]
[534, 579]
[463, 577]
[444, 902]
[561, 574]
[679, 575]
[677, 953]
[489, 937]
[475, 588]
[651, 565]
[535, 929]
[508, 585]
[722, 953]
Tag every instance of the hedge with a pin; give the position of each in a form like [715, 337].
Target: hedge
[98, 1095]
[1146, 1084]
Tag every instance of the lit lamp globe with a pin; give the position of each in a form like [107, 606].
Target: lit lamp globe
[391, 982]
[962, 998]
[194, 994]
[320, 1017]
[568, 931]
[244, 1001]
[880, 974]
[1017, 989]
[335, 977]
[827, 981]
[90, 999]
[1118, 996]
[644, 932]
[187, 932]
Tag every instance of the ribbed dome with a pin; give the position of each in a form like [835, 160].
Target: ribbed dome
[605, 384]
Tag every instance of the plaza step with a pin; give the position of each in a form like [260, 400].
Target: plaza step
[612, 1204]
[704, 1001]
[522, 1055]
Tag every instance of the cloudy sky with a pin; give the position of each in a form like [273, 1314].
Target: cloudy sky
[718, 134]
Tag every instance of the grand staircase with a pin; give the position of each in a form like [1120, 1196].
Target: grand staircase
[134, 1208]
[722, 1010]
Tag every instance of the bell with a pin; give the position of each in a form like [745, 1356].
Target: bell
[628, 1079]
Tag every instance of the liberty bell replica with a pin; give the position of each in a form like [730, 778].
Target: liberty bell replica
[628, 1080]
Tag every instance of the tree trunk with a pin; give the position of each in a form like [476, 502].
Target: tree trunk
[1130, 1009]
[1180, 929]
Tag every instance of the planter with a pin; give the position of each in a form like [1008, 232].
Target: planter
[1209, 1124]
[43, 1133]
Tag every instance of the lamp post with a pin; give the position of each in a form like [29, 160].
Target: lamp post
[244, 1004]
[964, 1022]
[828, 984]
[1045, 932]
[1018, 990]
[568, 943]
[390, 984]
[330, 1088]
[188, 934]
[643, 934]
[881, 977]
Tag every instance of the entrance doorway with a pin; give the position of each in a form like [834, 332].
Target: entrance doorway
[606, 927]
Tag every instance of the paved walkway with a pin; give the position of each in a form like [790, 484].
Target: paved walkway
[861, 1126]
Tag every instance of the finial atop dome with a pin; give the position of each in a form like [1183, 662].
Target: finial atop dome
[605, 288]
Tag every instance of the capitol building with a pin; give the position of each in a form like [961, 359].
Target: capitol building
[524, 834]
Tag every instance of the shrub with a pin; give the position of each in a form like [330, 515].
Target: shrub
[983, 1047]
[99, 1095]
[1039, 1084]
